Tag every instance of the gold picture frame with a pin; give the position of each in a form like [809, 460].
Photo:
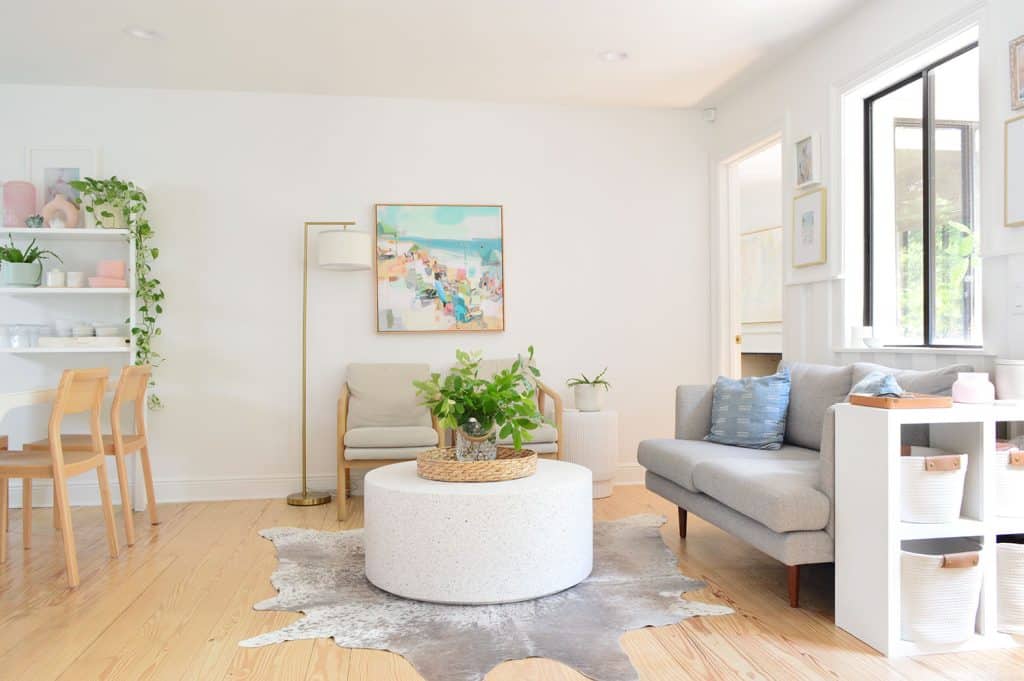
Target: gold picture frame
[805, 253]
[1017, 73]
[490, 283]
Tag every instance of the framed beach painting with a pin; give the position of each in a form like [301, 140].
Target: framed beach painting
[810, 236]
[808, 165]
[440, 267]
[1017, 73]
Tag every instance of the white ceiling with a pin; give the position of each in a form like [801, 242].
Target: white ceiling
[681, 51]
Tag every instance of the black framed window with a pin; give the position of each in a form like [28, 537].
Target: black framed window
[922, 273]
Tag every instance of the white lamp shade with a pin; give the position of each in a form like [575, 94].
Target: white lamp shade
[344, 249]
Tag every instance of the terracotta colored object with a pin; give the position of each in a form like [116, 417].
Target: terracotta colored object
[19, 202]
[60, 213]
[111, 269]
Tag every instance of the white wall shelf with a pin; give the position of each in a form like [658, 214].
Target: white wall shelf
[869, 530]
[62, 351]
[68, 233]
[45, 291]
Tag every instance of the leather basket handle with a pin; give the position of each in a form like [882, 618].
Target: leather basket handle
[1017, 458]
[942, 463]
[961, 560]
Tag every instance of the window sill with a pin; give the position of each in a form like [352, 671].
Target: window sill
[978, 352]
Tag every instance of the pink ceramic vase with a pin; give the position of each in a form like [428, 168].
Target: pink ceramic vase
[19, 202]
[973, 388]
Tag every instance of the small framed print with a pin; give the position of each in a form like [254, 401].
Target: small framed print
[1017, 73]
[808, 163]
[810, 228]
[52, 169]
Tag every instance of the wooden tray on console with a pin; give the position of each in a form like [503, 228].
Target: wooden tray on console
[906, 401]
[441, 464]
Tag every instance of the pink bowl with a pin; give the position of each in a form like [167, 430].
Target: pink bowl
[107, 282]
[111, 269]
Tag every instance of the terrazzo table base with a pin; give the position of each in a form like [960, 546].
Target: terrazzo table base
[478, 542]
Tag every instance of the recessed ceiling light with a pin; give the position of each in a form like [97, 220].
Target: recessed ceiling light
[142, 33]
[614, 55]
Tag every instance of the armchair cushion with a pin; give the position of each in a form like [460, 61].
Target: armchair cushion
[383, 453]
[393, 436]
[543, 434]
[383, 395]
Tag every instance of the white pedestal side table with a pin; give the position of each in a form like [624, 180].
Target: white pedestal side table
[478, 542]
[591, 439]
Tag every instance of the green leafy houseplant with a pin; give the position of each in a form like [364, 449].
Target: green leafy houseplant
[506, 403]
[113, 201]
[587, 392]
[23, 268]
[31, 254]
[583, 380]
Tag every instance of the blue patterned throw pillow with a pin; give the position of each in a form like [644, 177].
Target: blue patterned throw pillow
[750, 412]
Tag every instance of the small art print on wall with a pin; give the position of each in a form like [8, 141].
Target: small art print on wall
[1017, 73]
[810, 237]
[807, 163]
[440, 267]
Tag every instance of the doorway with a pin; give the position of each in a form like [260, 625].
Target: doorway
[755, 236]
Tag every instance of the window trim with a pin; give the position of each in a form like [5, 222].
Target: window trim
[927, 132]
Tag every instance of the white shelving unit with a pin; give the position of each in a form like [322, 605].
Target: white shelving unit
[47, 291]
[75, 233]
[869, 531]
[62, 351]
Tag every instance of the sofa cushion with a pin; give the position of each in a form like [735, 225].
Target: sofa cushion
[750, 412]
[779, 493]
[383, 395]
[393, 436]
[544, 433]
[814, 388]
[933, 382]
[675, 460]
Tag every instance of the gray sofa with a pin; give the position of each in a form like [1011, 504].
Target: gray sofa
[782, 501]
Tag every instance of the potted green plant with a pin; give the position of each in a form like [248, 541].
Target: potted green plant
[109, 201]
[481, 410]
[23, 268]
[588, 393]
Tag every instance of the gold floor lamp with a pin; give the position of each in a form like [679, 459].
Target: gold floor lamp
[338, 248]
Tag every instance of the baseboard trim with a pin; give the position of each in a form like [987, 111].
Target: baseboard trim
[629, 474]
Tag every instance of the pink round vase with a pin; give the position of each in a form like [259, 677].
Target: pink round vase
[973, 388]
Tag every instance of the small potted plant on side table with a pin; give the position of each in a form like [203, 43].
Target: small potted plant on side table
[587, 393]
[23, 268]
[481, 411]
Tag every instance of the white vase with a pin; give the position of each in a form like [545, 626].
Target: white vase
[588, 397]
[973, 388]
[1010, 379]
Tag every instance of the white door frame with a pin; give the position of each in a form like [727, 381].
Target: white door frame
[725, 349]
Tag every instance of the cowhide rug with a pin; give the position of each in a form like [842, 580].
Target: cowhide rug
[635, 583]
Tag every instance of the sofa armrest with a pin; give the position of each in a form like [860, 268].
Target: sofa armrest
[693, 411]
[827, 466]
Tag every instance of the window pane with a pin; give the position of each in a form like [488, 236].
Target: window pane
[957, 287]
[898, 216]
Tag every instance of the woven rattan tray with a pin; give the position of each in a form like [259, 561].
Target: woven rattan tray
[441, 464]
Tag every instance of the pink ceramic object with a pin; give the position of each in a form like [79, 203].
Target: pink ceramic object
[60, 213]
[107, 282]
[19, 202]
[111, 269]
[973, 388]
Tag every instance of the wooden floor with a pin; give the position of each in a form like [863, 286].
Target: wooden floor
[175, 605]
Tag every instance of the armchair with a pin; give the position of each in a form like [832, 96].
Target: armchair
[545, 440]
[380, 420]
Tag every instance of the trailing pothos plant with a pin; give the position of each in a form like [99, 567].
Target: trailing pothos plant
[507, 402]
[113, 198]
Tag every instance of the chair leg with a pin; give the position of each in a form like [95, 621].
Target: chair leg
[126, 499]
[56, 511]
[26, 513]
[682, 522]
[793, 579]
[60, 494]
[108, 509]
[3, 520]
[147, 474]
[342, 491]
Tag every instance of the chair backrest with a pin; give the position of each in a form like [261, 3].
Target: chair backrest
[131, 387]
[383, 395]
[79, 390]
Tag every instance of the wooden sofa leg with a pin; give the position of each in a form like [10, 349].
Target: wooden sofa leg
[682, 523]
[793, 579]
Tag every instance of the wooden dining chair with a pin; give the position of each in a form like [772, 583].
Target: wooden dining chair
[131, 388]
[80, 390]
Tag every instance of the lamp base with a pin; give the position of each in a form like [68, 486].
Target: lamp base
[309, 498]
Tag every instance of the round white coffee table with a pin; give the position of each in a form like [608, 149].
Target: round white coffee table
[478, 542]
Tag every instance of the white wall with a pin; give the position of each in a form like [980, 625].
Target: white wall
[798, 96]
[606, 253]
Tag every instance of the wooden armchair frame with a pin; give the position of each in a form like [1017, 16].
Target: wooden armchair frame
[344, 482]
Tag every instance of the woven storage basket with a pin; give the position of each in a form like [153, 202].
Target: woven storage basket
[1009, 475]
[441, 464]
[1010, 587]
[940, 585]
[931, 485]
